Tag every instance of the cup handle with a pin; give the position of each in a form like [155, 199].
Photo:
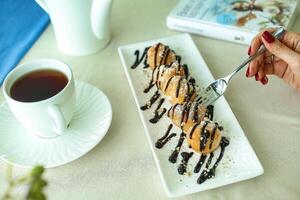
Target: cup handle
[58, 117]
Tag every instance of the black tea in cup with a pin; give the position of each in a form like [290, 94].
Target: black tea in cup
[38, 85]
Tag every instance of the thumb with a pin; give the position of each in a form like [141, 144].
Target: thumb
[279, 49]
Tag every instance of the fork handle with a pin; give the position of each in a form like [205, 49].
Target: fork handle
[277, 34]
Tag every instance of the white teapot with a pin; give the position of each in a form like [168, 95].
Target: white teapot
[81, 26]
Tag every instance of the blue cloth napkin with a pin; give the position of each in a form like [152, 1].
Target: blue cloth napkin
[21, 23]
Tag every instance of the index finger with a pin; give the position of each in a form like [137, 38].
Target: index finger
[290, 39]
[257, 42]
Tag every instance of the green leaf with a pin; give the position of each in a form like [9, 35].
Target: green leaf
[37, 171]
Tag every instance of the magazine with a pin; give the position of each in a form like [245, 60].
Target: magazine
[231, 20]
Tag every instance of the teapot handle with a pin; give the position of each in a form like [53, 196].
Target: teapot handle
[43, 4]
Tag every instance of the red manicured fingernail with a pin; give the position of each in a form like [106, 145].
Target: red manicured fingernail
[268, 37]
[264, 80]
[249, 51]
[256, 77]
[247, 72]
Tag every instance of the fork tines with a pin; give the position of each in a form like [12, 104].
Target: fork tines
[207, 96]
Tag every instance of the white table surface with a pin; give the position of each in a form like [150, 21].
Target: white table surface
[122, 166]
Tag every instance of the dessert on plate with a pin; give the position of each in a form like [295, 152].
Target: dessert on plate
[177, 88]
[160, 54]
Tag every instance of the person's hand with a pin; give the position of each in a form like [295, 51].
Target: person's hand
[282, 58]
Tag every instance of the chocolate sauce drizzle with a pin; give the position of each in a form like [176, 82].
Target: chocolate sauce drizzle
[185, 113]
[157, 76]
[210, 112]
[146, 65]
[185, 159]
[209, 173]
[164, 55]
[151, 84]
[195, 116]
[193, 130]
[168, 83]
[139, 59]
[174, 154]
[192, 81]
[155, 54]
[178, 58]
[148, 88]
[200, 163]
[203, 136]
[164, 139]
[178, 86]
[172, 108]
[190, 92]
[186, 70]
[213, 135]
[199, 100]
[151, 101]
[158, 115]
[204, 175]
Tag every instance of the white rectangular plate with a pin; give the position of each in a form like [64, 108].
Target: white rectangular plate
[239, 161]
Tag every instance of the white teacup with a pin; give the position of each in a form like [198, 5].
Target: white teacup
[46, 118]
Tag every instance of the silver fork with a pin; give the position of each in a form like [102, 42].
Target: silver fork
[217, 88]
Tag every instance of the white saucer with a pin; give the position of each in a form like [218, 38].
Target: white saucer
[89, 125]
